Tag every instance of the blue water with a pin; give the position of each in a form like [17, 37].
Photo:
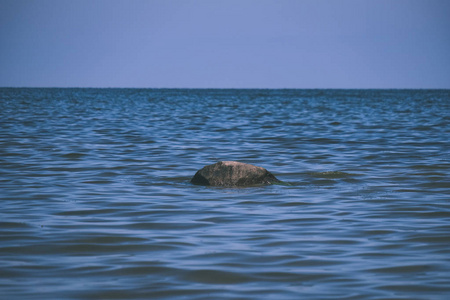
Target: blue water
[96, 203]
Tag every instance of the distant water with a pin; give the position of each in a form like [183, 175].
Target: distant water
[96, 203]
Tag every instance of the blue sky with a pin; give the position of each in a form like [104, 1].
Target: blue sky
[225, 44]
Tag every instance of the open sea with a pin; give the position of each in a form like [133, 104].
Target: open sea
[96, 200]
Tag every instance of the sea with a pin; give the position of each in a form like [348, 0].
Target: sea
[96, 200]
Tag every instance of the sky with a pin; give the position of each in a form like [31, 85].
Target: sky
[225, 43]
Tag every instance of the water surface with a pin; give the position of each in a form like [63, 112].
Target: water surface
[96, 203]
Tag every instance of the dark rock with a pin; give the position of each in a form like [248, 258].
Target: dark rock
[233, 173]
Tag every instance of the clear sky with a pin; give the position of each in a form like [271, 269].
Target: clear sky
[225, 43]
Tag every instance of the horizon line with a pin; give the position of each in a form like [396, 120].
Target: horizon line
[214, 88]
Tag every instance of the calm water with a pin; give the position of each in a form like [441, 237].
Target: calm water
[95, 199]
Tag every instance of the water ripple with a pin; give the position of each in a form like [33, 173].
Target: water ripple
[96, 201]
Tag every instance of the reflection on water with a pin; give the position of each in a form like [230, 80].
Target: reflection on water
[96, 203]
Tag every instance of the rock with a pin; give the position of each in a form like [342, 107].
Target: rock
[233, 173]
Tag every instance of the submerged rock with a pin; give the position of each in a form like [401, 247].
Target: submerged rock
[233, 173]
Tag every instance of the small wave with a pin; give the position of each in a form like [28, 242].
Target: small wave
[74, 155]
[332, 174]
